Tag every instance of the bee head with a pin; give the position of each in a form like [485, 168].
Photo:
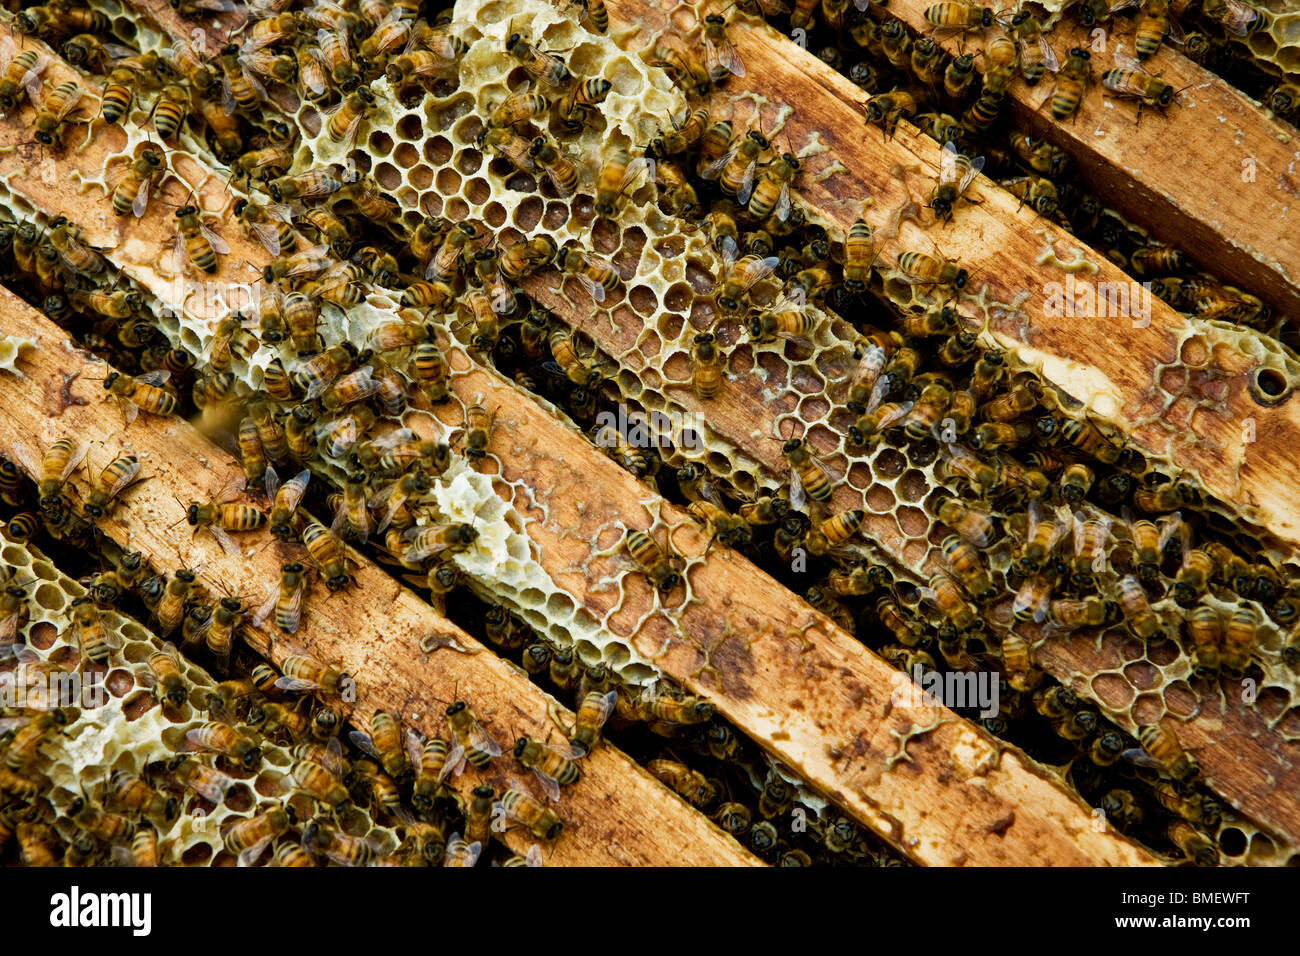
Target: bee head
[520, 745]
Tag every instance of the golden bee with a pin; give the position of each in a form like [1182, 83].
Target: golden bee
[532, 813]
[248, 837]
[470, 736]
[540, 65]
[226, 740]
[552, 769]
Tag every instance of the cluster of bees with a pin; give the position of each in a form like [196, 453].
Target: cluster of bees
[1027, 487]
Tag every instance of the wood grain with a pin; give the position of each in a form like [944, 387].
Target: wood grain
[617, 815]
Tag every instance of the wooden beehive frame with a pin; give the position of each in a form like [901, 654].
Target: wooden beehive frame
[1002, 810]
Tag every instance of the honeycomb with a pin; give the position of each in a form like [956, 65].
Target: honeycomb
[121, 727]
[423, 151]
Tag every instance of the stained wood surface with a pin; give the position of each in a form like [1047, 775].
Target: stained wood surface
[1105, 359]
[616, 815]
[813, 697]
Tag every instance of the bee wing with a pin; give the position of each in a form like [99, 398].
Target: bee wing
[722, 54]
[747, 184]
[480, 739]
[13, 723]
[212, 786]
[219, 245]
[798, 497]
[1077, 525]
[715, 167]
[1173, 525]
[344, 438]
[124, 479]
[294, 611]
[1141, 758]
[730, 252]
[69, 103]
[594, 289]
[141, 201]
[415, 742]
[948, 162]
[31, 80]
[1126, 62]
[1121, 6]
[249, 856]
[550, 786]
[227, 96]
[262, 613]
[74, 459]
[293, 489]
[455, 762]
[267, 235]
[225, 540]
[362, 741]
[976, 165]
[782, 208]
[1049, 55]
[333, 760]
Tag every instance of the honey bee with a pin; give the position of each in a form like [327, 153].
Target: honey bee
[966, 567]
[1018, 658]
[952, 16]
[532, 813]
[66, 238]
[200, 244]
[328, 553]
[708, 365]
[1239, 641]
[896, 44]
[165, 666]
[145, 850]
[50, 22]
[1130, 80]
[539, 65]
[248, 837]
[552, 769]
[171, 603]
[1146, 548]
[720, 57]
[671, 54]
[30, 733]
[594, 710]
[958, 76]
[1194, 575]
[386, 744]
[209, 783]
[219, 518]
[226, 740]
[1084, 436]
[597, 276]
[743, 275]
[956, 173]
[1043, 533]
[1069, 614]
[1161, 750]
[1070, 83]
[1076, 481]
[879, 417]
[459, 853]
[22, 75]
[285, 600]
[1036, 54]
[316, 183]
[734, 169]
[1091, 536]
[470, 736]
[974, 526]
[651, 560]
[1132, 599]
[1205, 632]
[54, 112]
[886, 109]
[681, 138]
[771, 192]
[922, 269]
[100, 824]
[116, 475]
[573, 110]
[689, 784]
[943, 591]
[929, 407]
